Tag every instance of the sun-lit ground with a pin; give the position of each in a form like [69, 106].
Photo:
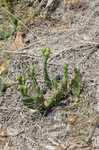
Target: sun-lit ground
[71, 32]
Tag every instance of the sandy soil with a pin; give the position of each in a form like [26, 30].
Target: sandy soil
[75, 42]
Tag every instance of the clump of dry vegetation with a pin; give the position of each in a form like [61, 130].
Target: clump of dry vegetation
[75, 4]
[27, 12]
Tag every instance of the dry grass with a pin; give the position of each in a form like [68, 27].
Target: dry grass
[75, 44]
[75, 4]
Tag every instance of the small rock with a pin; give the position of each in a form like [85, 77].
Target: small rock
[12, 131]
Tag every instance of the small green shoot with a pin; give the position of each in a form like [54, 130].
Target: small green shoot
[35, 86]
[22, 85]
[76, 83]
[54, 85]
[14, 20]
[64, 83]
[61, 90]
[34, 102]
[46, 53]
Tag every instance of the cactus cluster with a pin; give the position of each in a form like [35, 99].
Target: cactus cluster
[58, 90]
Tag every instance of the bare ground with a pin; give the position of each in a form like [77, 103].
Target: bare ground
[75, 43]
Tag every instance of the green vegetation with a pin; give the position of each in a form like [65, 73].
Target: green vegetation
[58, 91]
[7, 31]
[76, 83]
[46, 54]
[22, 85]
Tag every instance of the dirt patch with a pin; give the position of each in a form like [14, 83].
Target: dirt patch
[75, 43]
